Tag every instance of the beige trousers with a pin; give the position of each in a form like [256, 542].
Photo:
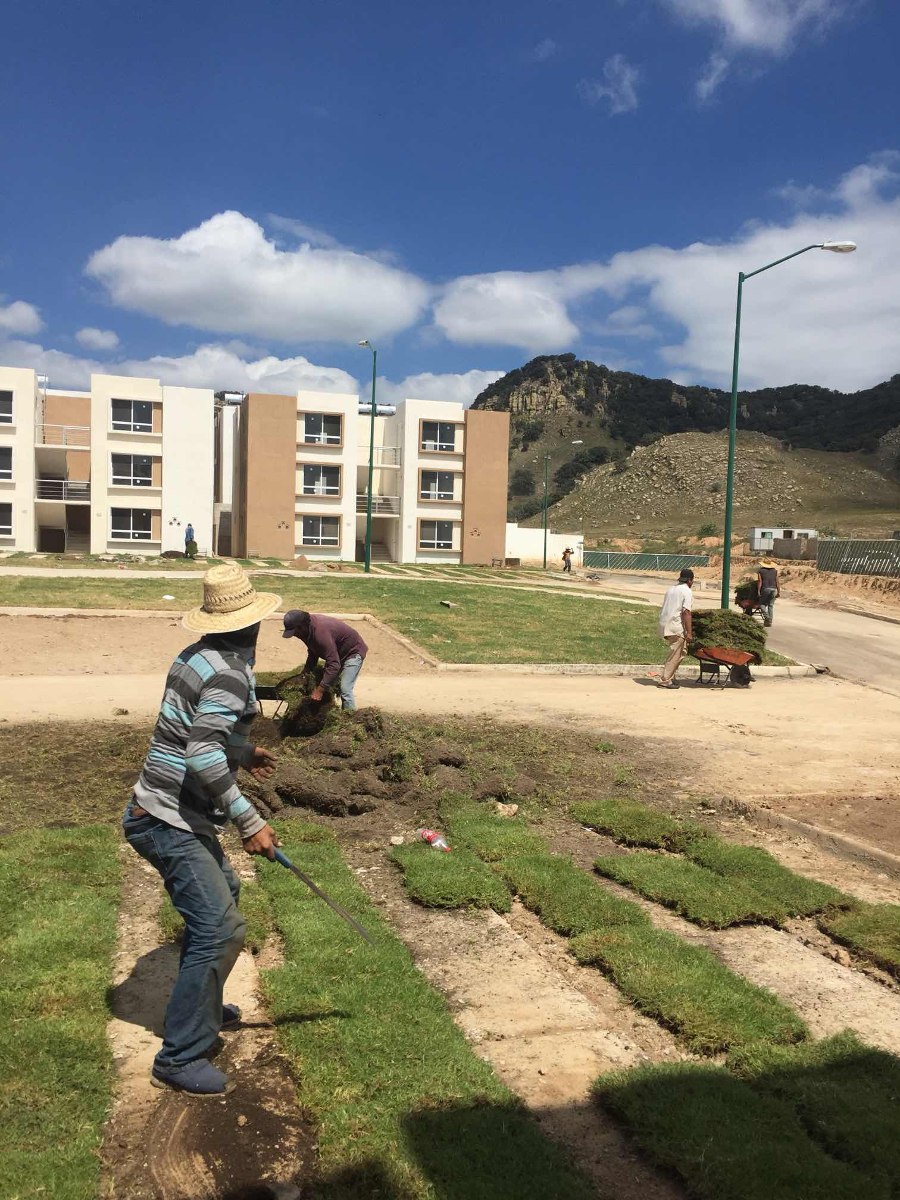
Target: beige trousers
[677, 651]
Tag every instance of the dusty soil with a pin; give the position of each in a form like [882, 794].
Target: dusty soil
[253, 1144]
[139, 645]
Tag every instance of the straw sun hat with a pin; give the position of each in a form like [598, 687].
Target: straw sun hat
[767, 562]
[230, 602]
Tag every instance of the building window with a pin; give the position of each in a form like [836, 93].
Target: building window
[439, 435]
[5, 520]
[436, 485]
[6, 408]
[322, 429]
[5, 462]
[131, 524]
[321, 481]
[132, 470]
[436, 535]
[767, 533]
[132, 416]
[321, 531]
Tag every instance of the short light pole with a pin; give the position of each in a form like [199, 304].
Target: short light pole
[838, 248]
[368, 553]
[546, 488]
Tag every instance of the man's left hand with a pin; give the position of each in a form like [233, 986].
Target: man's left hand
[263, 763]
[318, 693]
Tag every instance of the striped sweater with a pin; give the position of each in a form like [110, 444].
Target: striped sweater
[200, 739]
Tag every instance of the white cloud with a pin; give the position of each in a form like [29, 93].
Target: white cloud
[211, 366]
[618, 86]
[20, 317]
[227, 277]
[762, 27]
[508, 307]
[301, 231]
[97, 339]
[544, 50]
[458, 389]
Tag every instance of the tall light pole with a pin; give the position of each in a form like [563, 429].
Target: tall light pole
[546, 469]
[838, 248]
[368, 554]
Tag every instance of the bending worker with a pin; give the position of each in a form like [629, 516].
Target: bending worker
[675, 625]
[334, 641]
[185, 794]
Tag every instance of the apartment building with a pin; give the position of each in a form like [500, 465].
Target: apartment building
[301, 471]
[122, 467]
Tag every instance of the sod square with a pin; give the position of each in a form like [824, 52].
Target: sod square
[798, 895]
[687, 989]
[564, 897]
[726, 1140]
[633, 824]
[871, 930]
[457, 879]
[492, 838]
[700, 895]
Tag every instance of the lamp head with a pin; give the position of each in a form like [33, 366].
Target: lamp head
[364, 342]
[839, 247]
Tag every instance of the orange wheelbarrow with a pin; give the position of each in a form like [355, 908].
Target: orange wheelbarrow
[737, 663]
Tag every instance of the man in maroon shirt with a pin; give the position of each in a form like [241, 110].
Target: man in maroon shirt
[340, 646]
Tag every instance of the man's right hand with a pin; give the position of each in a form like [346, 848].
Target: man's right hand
[264, 841]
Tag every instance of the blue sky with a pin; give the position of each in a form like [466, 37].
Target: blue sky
[233, 195]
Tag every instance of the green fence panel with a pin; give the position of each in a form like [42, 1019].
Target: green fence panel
[856, 556]
[643, 562]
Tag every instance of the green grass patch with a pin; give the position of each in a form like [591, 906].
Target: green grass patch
[845, 1095]
[256, 909]
[566, 899]
[724, 1139]
[748, 864]
[59, 892]
[871, 930]
[402, 1102]
[455, 880]
[686, 988]
[475, 827]
[692, 891]
[634, 824]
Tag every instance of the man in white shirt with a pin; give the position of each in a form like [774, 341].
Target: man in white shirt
[675, 625]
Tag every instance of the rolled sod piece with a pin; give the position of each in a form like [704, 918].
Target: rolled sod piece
[454, 880]
[686, 988]
[726, 1140]
[700, 895]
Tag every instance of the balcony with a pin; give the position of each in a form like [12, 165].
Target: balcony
[62, 435]
[382, 506]
[71, 491]
[385, 456]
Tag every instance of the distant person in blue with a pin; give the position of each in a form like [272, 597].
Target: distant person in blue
[190, 545]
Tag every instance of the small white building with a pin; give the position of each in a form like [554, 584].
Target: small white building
[527, 545]
[763, 537]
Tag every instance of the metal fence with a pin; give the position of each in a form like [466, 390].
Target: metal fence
[643, 562]
[855, 556]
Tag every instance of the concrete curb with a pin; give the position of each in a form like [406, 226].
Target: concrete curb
[838, 843]
[633, 670]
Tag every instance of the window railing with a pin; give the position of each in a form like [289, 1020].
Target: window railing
[435, 544]
[321, 489]
[62, 489]
[132, 480]
[384, 456]
[439, 447]
[62, 435]
[435, 494]
[132, 426]
[132, 535]
[381, 505]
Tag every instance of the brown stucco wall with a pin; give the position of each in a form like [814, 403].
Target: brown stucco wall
[156, 413]
[484, 486]
[78, 465]
[267, 490]
[67, 410]
[156, 471]
[156, 525]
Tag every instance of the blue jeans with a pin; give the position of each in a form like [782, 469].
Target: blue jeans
[205, 890]
[767, 604]
[350, 668]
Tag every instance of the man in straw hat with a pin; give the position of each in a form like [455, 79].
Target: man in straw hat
[769, 591]
[185, 794]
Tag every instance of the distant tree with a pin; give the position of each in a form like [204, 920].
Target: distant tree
[521, 482]
[707, 530]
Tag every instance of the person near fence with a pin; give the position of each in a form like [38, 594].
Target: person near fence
[567, 560]
[675, 625]
[769, 590]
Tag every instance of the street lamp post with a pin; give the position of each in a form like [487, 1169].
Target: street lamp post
[838, 248]
[546, 469]
[368, 553]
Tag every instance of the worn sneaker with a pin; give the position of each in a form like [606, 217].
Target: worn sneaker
[231, 1016]
[199, 1078]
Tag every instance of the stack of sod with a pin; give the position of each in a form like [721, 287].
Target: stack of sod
[719, 627]
[304, 717]
[747, 589]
